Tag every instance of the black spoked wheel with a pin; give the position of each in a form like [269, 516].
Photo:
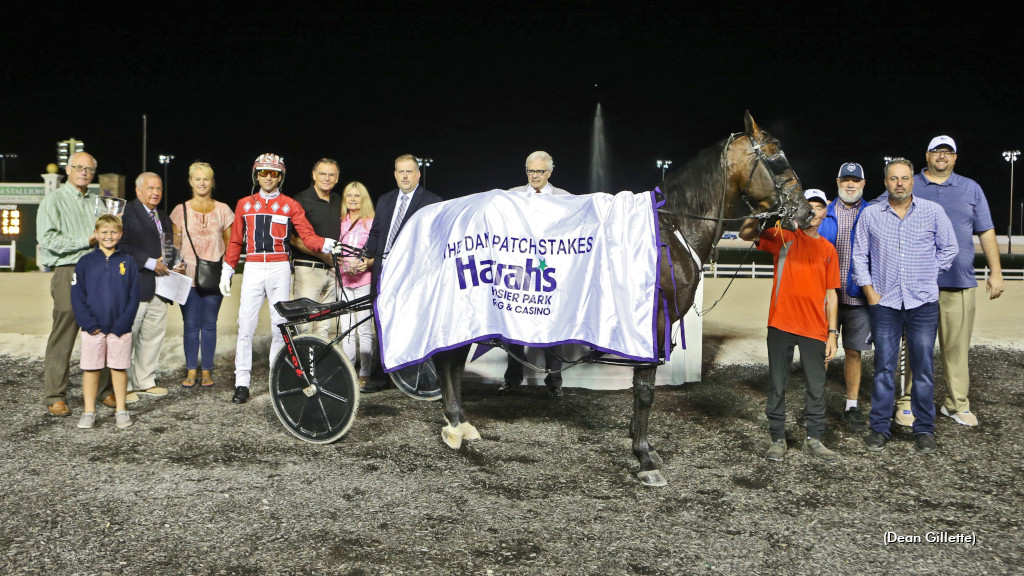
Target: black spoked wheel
[323, 412]
[419, 381]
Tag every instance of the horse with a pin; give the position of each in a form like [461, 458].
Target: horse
[749, 166]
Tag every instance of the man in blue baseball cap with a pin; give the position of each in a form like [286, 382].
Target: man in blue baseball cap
[839, 226]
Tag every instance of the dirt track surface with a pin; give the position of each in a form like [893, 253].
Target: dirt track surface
[200, 486]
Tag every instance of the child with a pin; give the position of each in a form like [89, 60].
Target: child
[105, 297]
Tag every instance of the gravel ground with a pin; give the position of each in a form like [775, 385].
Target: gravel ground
[200, 486]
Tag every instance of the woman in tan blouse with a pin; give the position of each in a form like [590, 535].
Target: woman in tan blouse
[209, 228]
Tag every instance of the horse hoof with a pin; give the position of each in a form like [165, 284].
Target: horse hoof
[651, 478]
[469, 432]
[452, 436]
[656, 459]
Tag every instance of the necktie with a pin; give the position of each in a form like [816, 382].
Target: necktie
[397, 223]
[159, 228]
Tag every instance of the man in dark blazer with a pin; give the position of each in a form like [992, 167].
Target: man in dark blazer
[393, 211]
[146, 229]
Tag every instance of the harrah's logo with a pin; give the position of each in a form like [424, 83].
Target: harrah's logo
[540, 278]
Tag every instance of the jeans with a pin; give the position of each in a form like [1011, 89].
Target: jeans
[199, 316]
[887, 326]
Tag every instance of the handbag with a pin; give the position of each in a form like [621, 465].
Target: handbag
[207, 271]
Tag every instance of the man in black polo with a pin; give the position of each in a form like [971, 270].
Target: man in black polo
[314, 278]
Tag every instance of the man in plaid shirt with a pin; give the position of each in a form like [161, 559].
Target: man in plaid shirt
[839, 227]
[899, 249]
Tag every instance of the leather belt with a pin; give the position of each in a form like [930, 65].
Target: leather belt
[310, 264]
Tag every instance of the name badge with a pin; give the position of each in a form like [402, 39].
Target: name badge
[278, 219]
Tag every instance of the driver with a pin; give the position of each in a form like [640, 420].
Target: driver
[263, 222]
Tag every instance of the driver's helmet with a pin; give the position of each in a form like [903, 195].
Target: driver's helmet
[268, 161]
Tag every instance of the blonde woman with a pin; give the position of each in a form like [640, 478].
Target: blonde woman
[209, 228]
[355, 277]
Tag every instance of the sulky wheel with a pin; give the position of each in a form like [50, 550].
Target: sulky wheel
[323, 411]
[419, 381]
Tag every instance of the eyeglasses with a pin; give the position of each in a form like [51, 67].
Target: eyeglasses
[536, 172]
[86, 169]
[941, 152]
[267, 173]
[327, 175]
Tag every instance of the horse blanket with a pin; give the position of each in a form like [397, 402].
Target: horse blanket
[525, 268]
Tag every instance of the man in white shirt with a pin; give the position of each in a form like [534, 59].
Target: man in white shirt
[539, 166]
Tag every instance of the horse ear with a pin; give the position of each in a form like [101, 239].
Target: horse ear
[751, 126]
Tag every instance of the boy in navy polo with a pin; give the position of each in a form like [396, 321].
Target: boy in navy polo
[105, 297]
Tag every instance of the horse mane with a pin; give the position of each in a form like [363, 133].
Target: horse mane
[699, 188]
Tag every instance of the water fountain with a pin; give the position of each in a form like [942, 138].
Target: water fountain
[599, 178]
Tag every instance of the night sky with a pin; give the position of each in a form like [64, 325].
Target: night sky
[478, 85]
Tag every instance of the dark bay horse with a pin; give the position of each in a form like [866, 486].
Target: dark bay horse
[747, 168]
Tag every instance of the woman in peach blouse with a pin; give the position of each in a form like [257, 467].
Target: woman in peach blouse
[209, 229]
[355, 278]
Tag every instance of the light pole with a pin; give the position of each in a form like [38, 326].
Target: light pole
[424, 163]
[663, 164]
[3, 160]
[1011, 157]
[165, 159]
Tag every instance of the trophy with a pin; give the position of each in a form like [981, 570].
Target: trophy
[108, 205]
[172, 256]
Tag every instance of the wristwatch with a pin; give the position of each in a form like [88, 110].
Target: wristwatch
[831, 331]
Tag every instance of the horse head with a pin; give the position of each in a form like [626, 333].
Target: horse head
[764, 177]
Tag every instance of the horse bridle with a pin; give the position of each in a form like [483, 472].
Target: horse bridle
[777, 165]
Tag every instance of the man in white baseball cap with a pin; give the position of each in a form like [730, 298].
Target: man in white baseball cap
[965, 204]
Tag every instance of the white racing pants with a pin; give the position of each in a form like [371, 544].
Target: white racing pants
[269, 280]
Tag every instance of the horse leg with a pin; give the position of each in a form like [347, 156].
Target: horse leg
[643, 398]
[450, 366]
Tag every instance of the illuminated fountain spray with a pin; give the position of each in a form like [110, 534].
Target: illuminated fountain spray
[598, 155]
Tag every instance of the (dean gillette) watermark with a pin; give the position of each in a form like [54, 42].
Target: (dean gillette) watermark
[931, 538]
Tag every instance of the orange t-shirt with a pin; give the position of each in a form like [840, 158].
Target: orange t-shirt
[805, 269]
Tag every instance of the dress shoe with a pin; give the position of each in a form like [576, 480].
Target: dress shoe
[555, 390]
[241, 395]
[874, 441]
[508, 387]
[59, 408]
[925, 443]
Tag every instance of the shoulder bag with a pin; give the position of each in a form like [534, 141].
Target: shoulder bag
[207, 271]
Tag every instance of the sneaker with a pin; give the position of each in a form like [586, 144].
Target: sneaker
[815, 448]
[777, 451]
[965, 417]
[122, 419]
[153, 391]
[925, 443]
[855, 420]
[904, 417]
[87, 420]
[874, 441]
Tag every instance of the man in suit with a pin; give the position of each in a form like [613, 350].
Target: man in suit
[393, 210]
[146, 230]
[539, 166]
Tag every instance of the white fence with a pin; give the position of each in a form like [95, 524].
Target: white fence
[753, 270]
